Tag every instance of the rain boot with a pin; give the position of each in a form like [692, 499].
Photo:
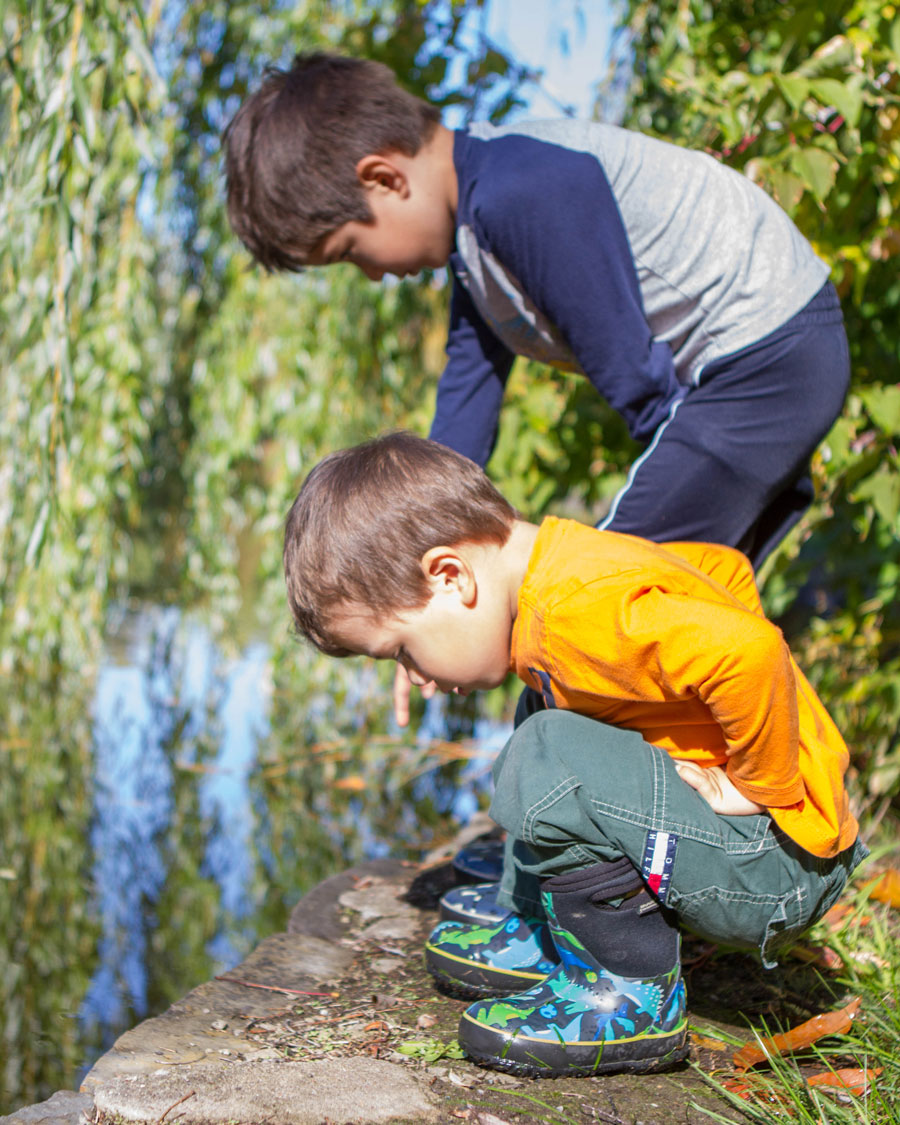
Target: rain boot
[616, 1001]
[475, 903]
[470, 961]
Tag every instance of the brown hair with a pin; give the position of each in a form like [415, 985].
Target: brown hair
[364, 518]
[292, 148]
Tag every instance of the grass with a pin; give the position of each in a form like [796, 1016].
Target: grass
[866, 942]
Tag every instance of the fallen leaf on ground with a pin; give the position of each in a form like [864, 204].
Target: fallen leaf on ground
[376, 1025]
[749, 1090]
[885, 887]
[852, 1079]
[709, 1044]
[835, 918]
[867, 957]
[822, 956]
[464, 1080]
[425, 1020]
[829, 1023]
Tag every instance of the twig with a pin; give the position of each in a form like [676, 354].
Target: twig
[275, 987]
[172, 1106]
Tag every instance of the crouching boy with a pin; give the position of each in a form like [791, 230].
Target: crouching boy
[682, 773]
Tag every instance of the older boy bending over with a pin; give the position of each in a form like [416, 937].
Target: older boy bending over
[683, 772]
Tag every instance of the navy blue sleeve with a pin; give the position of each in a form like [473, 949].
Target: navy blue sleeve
[549, 215]
[471, 388]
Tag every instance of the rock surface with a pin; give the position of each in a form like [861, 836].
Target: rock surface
[336, 1022]
[280, 1093]
[64, 1108]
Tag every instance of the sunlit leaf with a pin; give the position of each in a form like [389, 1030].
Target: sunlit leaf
[883, 406]
[885, 888]
[794, 88]
[852, 1079]
[817, 168]
[843, 96]
[799, 1037]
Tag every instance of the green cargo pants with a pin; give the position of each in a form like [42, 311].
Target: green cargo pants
[571, 791]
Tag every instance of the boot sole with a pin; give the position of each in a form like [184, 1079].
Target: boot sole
[469, 980]
[536, 1058]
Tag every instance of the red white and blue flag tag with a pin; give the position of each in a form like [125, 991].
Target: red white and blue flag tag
[659, 859]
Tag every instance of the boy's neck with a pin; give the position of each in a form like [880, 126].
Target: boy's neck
[438, 154]
[515, 555]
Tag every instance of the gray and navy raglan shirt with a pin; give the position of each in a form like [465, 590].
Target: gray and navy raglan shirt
[600, 250]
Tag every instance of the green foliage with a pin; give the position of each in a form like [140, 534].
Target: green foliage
[805, 99]
[159, 403]
[80, 354]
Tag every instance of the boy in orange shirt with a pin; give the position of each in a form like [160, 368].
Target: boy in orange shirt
[683, 770]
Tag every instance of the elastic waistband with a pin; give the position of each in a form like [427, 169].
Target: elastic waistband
[824, 308]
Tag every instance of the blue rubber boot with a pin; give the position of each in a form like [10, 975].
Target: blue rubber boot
[475, 904]
[584, 1019]
[472, 961]
[480, 861]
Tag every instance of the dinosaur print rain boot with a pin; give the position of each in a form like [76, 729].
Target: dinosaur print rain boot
[469, 960]
[616, 1001]
[476, 902]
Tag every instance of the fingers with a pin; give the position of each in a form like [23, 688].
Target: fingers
[694, 775]
[402, 688]
[402, 692]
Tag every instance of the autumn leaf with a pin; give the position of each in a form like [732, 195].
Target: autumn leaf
[822, 956]
[839, 913]
[798, 1038]
[885, 887]
[854, 1080]
[707, 1043]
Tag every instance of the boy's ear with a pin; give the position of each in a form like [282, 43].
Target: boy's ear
[447, 570]
[378, 172]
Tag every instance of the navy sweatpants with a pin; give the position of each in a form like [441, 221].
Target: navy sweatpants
[731, 463]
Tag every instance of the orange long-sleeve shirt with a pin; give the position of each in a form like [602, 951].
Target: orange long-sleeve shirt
[671, 641]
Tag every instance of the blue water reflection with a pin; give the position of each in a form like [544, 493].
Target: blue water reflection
[169, 701]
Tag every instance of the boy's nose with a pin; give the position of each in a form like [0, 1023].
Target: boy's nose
[372, 273]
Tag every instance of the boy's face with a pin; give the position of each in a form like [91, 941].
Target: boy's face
[460, 643]
[412, 226]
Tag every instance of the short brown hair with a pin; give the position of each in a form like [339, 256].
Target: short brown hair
[292, 148]
[364, 518]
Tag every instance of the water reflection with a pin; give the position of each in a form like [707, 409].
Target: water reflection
[225, 786]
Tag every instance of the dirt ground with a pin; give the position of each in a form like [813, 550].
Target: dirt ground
[387, 1007]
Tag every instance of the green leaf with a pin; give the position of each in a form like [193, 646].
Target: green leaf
[816, 168]
[846, 99]
[794, 89]
[883, 407]
[882, 491]
[787, 187]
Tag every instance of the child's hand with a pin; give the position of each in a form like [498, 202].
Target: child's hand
[715, 788]
[402, 688]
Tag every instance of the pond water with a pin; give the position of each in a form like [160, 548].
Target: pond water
[215, 802]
